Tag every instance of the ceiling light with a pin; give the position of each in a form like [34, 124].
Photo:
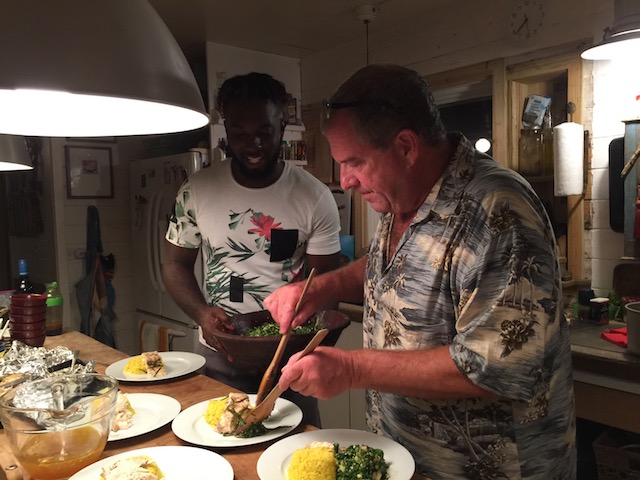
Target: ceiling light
[623, 39]
[14, 154]
[483, 145]
[77, 68]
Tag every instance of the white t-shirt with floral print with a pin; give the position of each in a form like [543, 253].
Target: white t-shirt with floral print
[258, 236]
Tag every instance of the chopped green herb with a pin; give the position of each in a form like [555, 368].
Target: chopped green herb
[268, 329]
[253, 430]
[360, 462]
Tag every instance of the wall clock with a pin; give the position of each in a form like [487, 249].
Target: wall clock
[526, 19]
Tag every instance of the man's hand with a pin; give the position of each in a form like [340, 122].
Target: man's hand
[216, 319]
[323, 374]
[282, 304]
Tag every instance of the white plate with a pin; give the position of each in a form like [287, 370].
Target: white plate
[152, 412]
[177, 363]
[191, 426]
[274, 461]
[177, 463]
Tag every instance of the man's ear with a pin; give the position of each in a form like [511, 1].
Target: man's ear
[406, 143]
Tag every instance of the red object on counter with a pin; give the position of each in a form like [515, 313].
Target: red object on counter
[616, 335]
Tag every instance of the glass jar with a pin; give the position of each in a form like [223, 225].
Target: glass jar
[530, 151]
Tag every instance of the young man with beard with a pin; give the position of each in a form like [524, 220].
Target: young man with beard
[258, 221]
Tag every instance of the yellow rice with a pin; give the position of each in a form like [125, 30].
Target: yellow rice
[214, 410]
[136, 365]
[317, 463]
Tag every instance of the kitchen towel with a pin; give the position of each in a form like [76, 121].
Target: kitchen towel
[616, 335]
[568, 153]
[153, 337]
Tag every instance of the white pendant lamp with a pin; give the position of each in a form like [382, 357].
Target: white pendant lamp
[623, 39]
[86, 68]
[13, 154]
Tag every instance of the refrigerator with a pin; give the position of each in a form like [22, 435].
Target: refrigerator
[154, 185]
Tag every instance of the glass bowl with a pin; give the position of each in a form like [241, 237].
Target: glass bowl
[56, 426]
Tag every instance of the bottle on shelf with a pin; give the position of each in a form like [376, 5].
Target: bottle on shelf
[530, 152]
[24, 283]
[53, 316]
[547, 144]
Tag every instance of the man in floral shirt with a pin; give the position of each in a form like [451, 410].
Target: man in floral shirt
[258, 222]
[466, 357]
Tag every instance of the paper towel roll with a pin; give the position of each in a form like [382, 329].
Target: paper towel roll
[568, 153]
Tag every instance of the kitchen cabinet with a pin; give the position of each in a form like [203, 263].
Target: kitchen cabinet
[559, 77]
[347, 410]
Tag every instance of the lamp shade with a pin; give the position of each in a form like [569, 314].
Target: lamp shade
[623, 38]
[13, 154]
[88, 68]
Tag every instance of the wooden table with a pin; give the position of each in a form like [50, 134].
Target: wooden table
[187, 390]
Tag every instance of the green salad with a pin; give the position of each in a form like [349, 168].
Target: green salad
[360, 462]
[271, 328]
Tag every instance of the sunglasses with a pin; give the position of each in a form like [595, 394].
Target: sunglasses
[328, 106]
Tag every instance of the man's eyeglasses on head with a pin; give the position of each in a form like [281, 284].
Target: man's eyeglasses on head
[330, 106]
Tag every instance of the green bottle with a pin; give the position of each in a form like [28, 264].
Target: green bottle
[53, 320]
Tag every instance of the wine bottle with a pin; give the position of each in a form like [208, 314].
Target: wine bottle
[24, 283]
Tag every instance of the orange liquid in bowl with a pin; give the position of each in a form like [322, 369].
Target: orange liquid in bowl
[58, 455]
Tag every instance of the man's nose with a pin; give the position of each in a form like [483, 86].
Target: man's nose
[347, 179]
[258, 142]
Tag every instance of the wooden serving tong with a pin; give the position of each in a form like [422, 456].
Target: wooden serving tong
[263, 409]
[270, 374]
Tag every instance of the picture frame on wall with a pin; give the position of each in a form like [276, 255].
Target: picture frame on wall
[89, 172]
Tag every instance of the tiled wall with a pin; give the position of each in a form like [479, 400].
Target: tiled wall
[615, 86]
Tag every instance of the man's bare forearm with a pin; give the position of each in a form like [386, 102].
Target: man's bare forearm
[183, 287]
[345, 284]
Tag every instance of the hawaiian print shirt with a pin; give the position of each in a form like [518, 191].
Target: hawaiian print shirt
[477, 270]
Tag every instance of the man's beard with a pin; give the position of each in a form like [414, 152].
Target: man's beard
[265, 170]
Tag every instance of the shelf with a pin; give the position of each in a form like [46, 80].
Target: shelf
[539, 179]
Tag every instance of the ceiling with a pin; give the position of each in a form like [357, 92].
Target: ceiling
[294, 28]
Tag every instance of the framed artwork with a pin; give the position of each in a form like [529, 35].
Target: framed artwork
[89, 172]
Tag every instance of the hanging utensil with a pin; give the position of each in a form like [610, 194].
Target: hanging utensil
[270, 374]
[263, 409]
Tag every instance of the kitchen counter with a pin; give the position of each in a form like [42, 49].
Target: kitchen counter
[188, 390]
[606, 378]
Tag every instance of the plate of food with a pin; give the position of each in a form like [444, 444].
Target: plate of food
[167, 462]
[321, 451]
[212, 423]
[154, 366]
[140, 413]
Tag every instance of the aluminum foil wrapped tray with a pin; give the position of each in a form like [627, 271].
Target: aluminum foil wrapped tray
[22, 362]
